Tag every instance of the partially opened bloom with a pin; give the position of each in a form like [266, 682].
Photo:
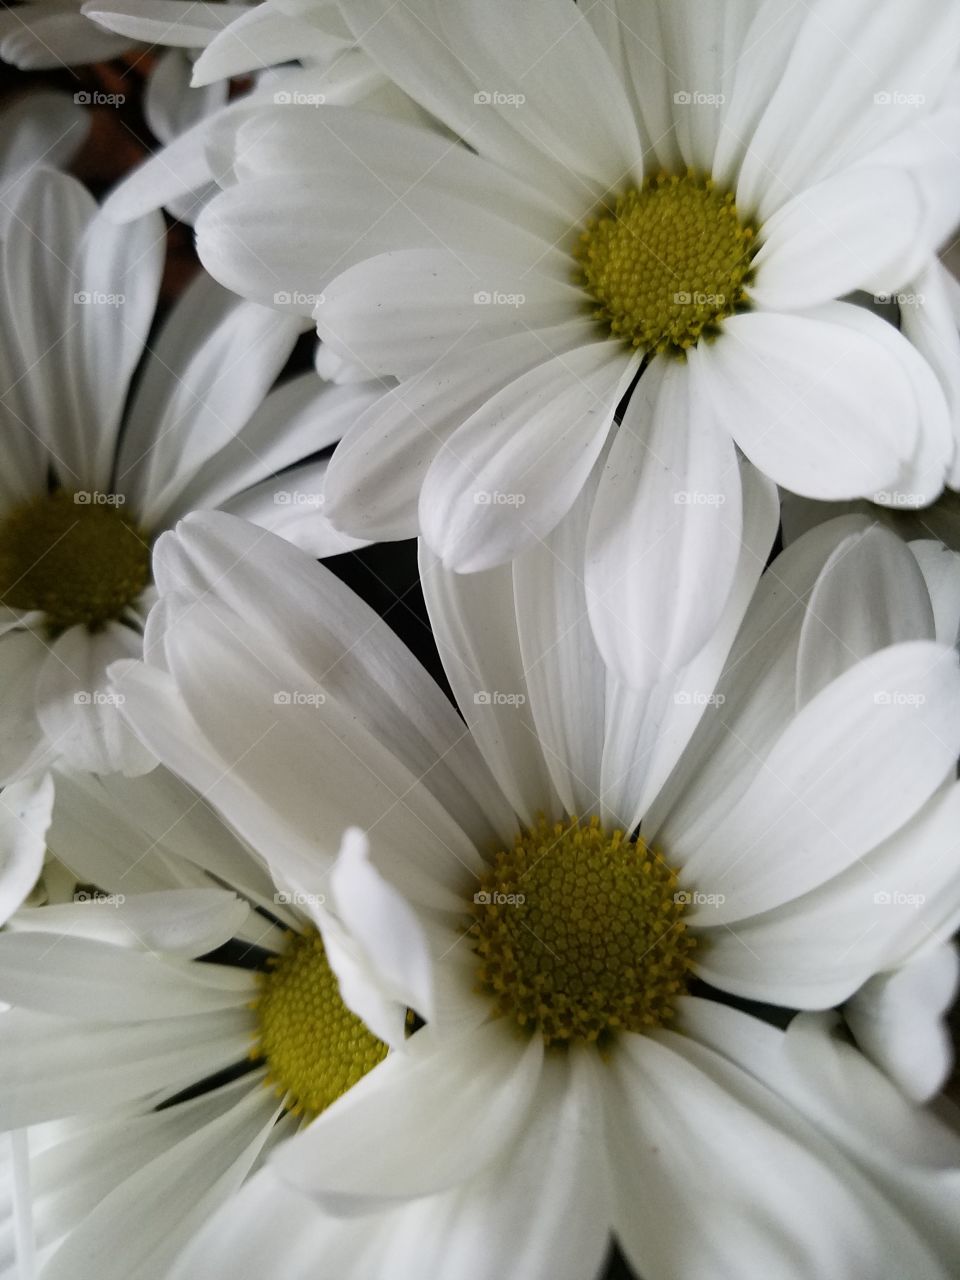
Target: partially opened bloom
[681, 189]
[92, 472]
[574, 859]
[152, 1075]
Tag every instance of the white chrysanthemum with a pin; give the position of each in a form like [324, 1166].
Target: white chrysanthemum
[136, 1059]
[795, 824]
[652, 183]
[531, 1216]
[92, 472]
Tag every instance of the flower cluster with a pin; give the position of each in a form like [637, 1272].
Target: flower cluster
[570, 892]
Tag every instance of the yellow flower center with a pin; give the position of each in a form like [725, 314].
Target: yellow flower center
[315, 1047]
[78, 561]
[579, 933]
[668, 263]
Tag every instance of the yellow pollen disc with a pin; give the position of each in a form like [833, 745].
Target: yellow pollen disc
[579, 933]
[315, 1048]
[668, 263]
[79, 562]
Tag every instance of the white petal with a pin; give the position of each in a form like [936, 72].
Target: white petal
[665, 532]
[177, 922]
[814, 951]
[79, 712]
[213, 364]
[164, 22]
[941, 572]
[376, 473]
[53, 1067]
[291, 506]
[512, 470]
[25, 811]
[897, 1020]
[819, 408]
[516, 85]
[854, 765]
[80, 977]
[22, 654]
[344, 646]
[474, 621]
[837, 237]
[399, 313]
[676, 1111]
[356, 1154]
[143, 1224]
[384, 927]
[876, 571]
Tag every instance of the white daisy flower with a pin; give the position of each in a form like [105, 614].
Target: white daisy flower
[653, 185]
[895, 1165]
[797, 828]
[136, 1058]
[93, 471]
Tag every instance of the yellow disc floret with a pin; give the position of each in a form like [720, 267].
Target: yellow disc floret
[579, 933]
[667, 262]
[78, 561]
[315, 1048]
